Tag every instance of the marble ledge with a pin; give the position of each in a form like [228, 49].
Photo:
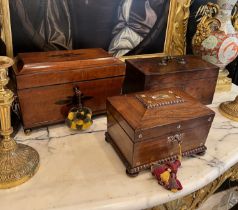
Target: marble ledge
[82, 171]
[59, 131]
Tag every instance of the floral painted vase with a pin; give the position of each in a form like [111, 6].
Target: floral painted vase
[216, 40]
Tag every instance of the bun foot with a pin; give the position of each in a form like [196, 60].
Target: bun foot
[107, 138]
[201, 153]
[131, 174]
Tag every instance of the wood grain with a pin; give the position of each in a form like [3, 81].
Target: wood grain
[45, 78]
[146, 135]
[197, 77]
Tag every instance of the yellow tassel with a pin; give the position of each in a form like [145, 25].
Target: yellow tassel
[86, 125]
[89, 116]
[73, 125]
[71, 116]
[79, 122]
[180, 152]
[165, 177]
[174, 190]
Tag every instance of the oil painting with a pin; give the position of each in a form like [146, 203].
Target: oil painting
[122, 27]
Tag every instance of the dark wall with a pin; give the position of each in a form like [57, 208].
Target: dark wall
[2, 45]
[233, 69]
[2, 48]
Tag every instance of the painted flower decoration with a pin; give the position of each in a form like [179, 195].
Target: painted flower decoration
[210, 43]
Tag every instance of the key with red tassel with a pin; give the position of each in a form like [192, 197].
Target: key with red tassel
[166, 174]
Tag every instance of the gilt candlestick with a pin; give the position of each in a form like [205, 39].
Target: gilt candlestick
[229, 109]
[18, 162]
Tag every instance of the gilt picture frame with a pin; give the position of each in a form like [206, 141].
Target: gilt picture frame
[175, 35]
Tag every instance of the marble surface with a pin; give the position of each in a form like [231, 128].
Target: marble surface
[82, 171]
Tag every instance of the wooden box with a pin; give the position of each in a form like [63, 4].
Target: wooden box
[43, 79]
[189, 73]
[146, 128]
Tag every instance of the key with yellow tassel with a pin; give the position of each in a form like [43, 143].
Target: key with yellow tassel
[79, 117]
[166, 174]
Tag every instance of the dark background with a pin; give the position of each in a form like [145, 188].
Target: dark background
[233, 67]
[91, 24]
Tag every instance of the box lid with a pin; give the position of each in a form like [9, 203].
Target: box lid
[171, 65]
[150, 114]
[57, 67]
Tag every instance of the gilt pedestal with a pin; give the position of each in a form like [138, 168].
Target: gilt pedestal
[18, 162]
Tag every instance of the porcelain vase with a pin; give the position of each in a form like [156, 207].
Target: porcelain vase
[216, 40]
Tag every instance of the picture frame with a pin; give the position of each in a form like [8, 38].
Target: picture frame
[175, 38]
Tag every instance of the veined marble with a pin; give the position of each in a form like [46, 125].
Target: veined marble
[82, 171]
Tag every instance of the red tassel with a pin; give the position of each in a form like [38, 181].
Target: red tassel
[167, 175]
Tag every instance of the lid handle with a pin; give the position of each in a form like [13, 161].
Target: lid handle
[165, 60]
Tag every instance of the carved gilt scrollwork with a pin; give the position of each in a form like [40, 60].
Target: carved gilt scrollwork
[1, 23]
[194, 200]
[177, 32]
[6, 32]
[234, 17]
[208, 22]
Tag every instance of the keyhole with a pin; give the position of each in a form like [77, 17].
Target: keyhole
[178, 139]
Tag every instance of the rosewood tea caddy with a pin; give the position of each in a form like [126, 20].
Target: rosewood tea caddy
[44, 80]
[189, 73]
[146, 128]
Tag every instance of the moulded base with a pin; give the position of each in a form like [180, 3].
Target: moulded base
[17, 165]
[134, 171]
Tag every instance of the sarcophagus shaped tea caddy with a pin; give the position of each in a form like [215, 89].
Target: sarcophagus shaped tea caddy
[44, 79]
[146, 128]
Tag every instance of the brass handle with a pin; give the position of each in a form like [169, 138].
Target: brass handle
[165, 60]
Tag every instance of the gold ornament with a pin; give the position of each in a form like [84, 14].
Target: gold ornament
[175, 43]
[234, 17]
[208, 23]
[18, 162]
[230, 109]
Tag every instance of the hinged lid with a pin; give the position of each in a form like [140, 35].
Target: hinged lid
[150, 114]
[57, 67]
[170, 65]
